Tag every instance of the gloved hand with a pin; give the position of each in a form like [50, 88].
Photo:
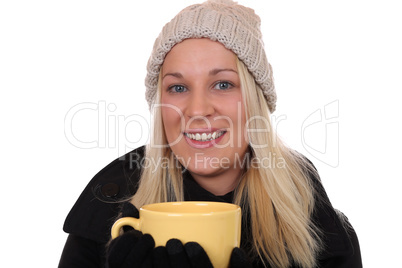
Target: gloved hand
[175, 254]
[132, 249]
[239, 259]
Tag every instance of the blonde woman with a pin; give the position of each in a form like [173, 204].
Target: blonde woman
[210, 89]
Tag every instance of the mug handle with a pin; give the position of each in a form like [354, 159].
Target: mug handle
[130, 221]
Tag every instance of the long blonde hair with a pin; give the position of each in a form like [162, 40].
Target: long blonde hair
[278, 199]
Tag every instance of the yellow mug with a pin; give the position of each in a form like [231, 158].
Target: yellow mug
[214, 225]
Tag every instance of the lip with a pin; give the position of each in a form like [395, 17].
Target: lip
[202, 130]
[203, 144]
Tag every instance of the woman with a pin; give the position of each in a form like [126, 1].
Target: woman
[211, 91]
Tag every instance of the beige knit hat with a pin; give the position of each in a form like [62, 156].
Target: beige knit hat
[235, 26]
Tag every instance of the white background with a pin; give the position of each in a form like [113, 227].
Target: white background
[57, 54]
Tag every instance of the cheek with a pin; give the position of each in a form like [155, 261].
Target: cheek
[171, 114]
[171, 122]
[238, 115]
[235, 111]
[170, 108]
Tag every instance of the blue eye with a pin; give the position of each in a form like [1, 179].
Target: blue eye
[177, 89]
[223, 85]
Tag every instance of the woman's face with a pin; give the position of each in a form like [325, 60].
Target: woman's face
[202, 108]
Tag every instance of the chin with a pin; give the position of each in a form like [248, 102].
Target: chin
[203, 172]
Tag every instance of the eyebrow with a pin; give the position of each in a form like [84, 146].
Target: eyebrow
[177, 75]
[216, 71]
[211, 73]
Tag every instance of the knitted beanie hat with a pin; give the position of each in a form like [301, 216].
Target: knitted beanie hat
[235, 26]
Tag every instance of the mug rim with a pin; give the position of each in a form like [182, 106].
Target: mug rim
[230, 208]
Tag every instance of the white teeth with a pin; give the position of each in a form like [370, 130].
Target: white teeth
[204, 136]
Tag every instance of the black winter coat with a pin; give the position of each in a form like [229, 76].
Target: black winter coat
[90, 220]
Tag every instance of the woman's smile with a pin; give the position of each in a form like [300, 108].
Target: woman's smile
[204, 136]
[200, 139]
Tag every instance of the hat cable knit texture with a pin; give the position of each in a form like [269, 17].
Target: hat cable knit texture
[235, 26]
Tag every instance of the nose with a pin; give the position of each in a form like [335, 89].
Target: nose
[199, 105]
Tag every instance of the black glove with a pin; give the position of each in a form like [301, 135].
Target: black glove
[132, 249]
[175, 254]
[239, 259]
